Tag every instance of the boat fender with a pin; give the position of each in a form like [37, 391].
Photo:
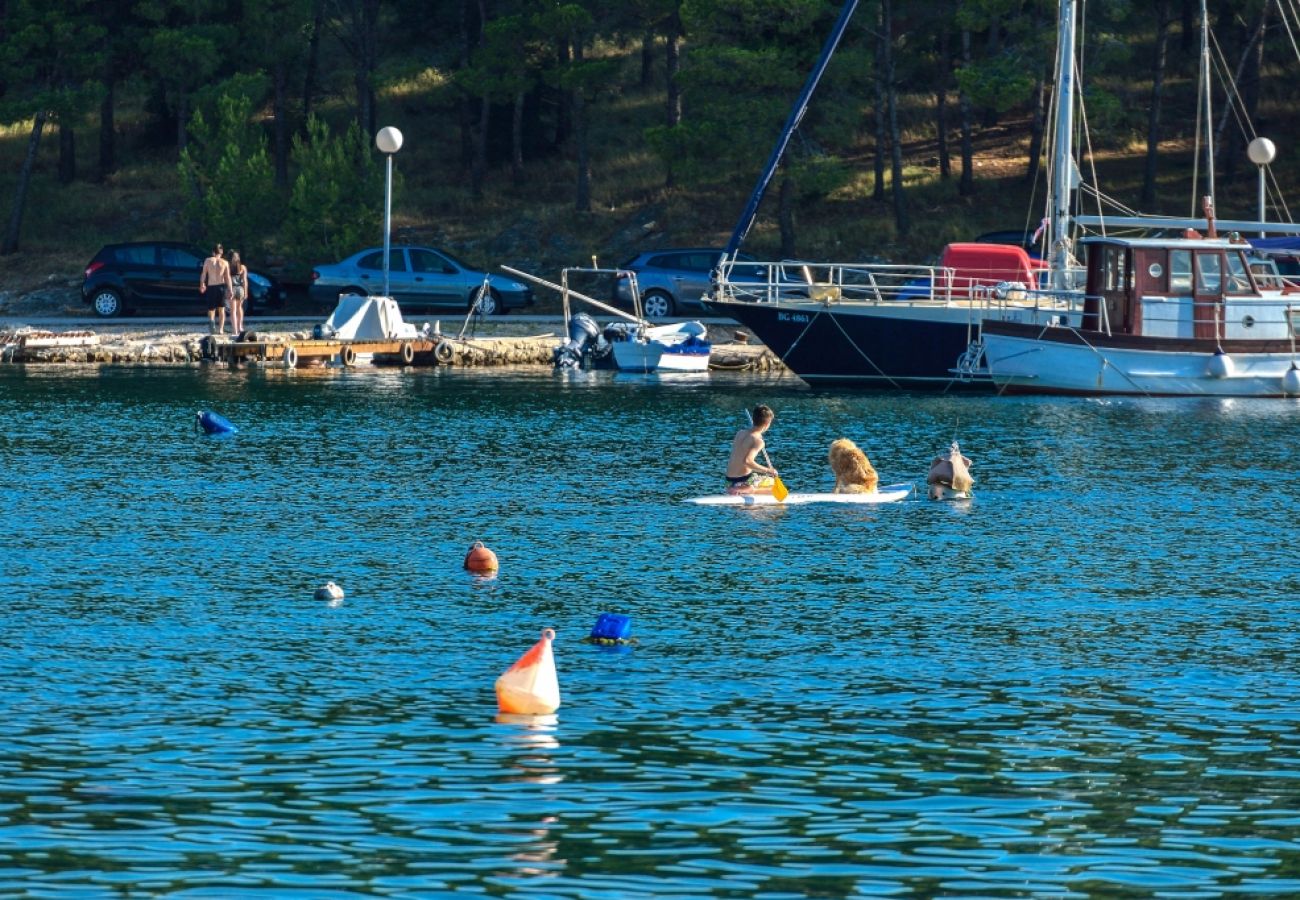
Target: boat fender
[213, 423]
[407, 353]
[290, 358]
[611, 630]
[480, 559]
[1291, 381]
[1220, 365]
[444, 352]
[348, 356]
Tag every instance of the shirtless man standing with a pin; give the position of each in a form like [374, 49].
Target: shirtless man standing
[745, 475]
[214, 285]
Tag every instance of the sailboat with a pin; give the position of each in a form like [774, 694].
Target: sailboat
[1195, 315]
[899, 326]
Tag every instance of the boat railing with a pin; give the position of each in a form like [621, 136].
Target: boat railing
[830, 284]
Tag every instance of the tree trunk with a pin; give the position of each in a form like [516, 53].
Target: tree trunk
[1163, 20]
[1037, 129]
[582, 194]
[478, 169]
[280, 112]
[1039, 122]
[672, 67]
[517, 141]
[941, 108]
[967, 184]
[563, 114]
[1230, 153]
[785, 215]
[313, 59]
[182, 122]
[901, 220]
[67, 152]
[10, 244]
[107, 137]
[647, 59]
[878, 190]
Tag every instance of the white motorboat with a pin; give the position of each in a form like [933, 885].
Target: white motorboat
[680, 347]
[632, 344]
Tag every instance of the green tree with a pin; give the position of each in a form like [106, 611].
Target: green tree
[744, 68]
[337, 201]
[227, 170]
[48, 63]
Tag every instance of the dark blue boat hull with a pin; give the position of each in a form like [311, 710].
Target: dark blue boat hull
[825, 347]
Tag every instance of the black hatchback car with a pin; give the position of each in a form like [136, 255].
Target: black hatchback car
[161, 276]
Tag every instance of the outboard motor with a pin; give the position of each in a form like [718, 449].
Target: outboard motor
[583, 334]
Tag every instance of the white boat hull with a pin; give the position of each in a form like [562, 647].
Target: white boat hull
[889, 494]
[1019, 364]
[652, 356]
[664, 348]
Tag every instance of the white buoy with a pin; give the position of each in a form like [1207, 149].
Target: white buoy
[1291, 381]
[1220, 365]
[329, 591]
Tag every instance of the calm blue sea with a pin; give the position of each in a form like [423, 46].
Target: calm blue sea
[1083, 683]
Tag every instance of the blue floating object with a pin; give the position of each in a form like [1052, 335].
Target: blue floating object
[214, 423]
[611, 628]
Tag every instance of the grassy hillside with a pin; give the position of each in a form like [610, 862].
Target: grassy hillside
[535, 228]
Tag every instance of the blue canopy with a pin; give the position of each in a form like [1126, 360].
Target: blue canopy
[1281, 246]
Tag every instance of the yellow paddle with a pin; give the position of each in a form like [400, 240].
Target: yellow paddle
[779, 490]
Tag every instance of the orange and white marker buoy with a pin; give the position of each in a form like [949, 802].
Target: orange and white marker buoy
[530, 687]
[480, 559]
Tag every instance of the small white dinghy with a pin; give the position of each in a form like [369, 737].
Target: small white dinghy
[891, 493]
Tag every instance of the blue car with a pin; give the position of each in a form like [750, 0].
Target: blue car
[418, 278]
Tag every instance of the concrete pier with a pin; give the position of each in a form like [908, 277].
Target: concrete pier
[296, 349]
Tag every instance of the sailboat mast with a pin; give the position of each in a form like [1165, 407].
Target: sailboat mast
[1205, 86]
[1063, 162]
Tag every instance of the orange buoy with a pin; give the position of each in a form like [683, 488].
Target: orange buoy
[480, 559]
[530, 687]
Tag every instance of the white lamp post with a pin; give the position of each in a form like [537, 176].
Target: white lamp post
[1261, 152]
[389, 141]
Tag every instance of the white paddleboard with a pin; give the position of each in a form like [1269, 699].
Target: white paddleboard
[888, 494]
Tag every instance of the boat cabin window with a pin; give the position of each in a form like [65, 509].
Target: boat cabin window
[1238, 278]
[1114, 274]
[1180, 271]
[1209, 272]
[1266, 274]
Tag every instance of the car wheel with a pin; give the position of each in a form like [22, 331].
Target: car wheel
[490, 305]
[106, 303]
[657, 305]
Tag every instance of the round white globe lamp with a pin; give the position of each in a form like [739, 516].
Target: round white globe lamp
[1261, 152]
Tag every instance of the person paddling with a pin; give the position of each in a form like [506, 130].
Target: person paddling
[745, 474]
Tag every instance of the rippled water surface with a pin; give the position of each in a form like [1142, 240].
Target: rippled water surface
[1082, 683]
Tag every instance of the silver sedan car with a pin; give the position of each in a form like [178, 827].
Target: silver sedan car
[418, 278]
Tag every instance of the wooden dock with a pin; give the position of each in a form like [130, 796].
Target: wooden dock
[432, 350]
[292, 353]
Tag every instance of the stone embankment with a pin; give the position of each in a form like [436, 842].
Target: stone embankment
[164, 347]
